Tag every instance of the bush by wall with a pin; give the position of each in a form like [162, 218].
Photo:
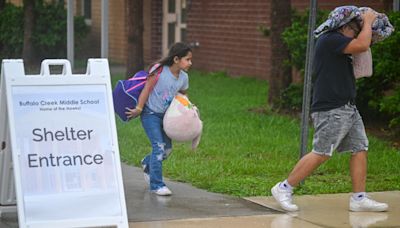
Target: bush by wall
[11, 31]
[49, 34]
[381, 93]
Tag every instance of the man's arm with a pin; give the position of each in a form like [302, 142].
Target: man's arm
[363, 40]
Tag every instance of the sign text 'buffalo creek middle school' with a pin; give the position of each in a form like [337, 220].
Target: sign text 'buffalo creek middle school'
[48, 105]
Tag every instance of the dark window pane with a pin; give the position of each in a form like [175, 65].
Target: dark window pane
[183, 35]
[183, 11]
[87, 9]
[171, 6]
[171, 34]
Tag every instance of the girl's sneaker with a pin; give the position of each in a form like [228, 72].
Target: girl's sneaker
[163, 191]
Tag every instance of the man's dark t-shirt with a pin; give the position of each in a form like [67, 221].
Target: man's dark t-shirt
[334, 82]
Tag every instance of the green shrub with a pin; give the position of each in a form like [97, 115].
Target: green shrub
[291, 97]
[378, 95]
[391, 104]
[295, 37]
[11, 31]
[49, 34]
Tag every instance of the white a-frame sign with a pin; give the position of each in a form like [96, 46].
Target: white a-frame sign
[64, 145]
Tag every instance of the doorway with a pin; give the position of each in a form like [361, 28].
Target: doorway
[174, 23]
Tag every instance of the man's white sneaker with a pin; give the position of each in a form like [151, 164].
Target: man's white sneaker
[163, 191]
[284, 198]
[367, 204]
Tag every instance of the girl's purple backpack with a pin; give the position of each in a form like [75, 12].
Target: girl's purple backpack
[126, 93]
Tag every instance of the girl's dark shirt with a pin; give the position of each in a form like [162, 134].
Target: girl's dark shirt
[333, 77]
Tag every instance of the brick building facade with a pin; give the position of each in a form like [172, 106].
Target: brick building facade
[226, 31]
[228, 36]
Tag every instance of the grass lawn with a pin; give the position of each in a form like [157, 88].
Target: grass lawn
[244, 153]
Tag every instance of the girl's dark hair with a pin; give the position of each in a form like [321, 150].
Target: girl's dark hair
[178, 49]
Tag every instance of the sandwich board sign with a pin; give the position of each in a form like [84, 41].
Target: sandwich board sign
[64, 145]
[8, 199]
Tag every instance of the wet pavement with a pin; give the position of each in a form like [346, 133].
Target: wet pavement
[8, 220]
[332, 210]
[317, 211]
[186, 201]
[190, 207]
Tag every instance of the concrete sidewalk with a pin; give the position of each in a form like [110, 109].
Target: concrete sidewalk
[186, 201]
[190, 207]
[317, 211]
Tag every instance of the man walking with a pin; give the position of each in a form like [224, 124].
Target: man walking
[337, 122]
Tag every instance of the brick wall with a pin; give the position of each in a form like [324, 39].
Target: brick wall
[228, 36]
[91, 45]
[152, 11]
[156, 31]
[117, 31]
[227, 31]
[331, 4]
[15, 2]
[146, 31]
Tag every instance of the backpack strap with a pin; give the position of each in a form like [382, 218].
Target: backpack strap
[155, 67]
[134, 87]
[159, 69]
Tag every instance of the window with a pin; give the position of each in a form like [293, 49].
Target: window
[171, 6]
[183, 11]
[87, 11]
[171, 34]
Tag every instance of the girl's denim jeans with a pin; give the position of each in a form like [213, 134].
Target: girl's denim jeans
[160, 143]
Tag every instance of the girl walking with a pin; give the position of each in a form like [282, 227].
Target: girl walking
[153, 102]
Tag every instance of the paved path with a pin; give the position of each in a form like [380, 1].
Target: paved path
[316, 211]
[190, 207]
[186, 202]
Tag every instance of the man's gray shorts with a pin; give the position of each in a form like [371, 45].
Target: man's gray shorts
[340, 129]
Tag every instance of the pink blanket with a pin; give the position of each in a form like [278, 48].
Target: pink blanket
[182, 121]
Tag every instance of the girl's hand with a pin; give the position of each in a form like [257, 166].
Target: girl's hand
[132, 113]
